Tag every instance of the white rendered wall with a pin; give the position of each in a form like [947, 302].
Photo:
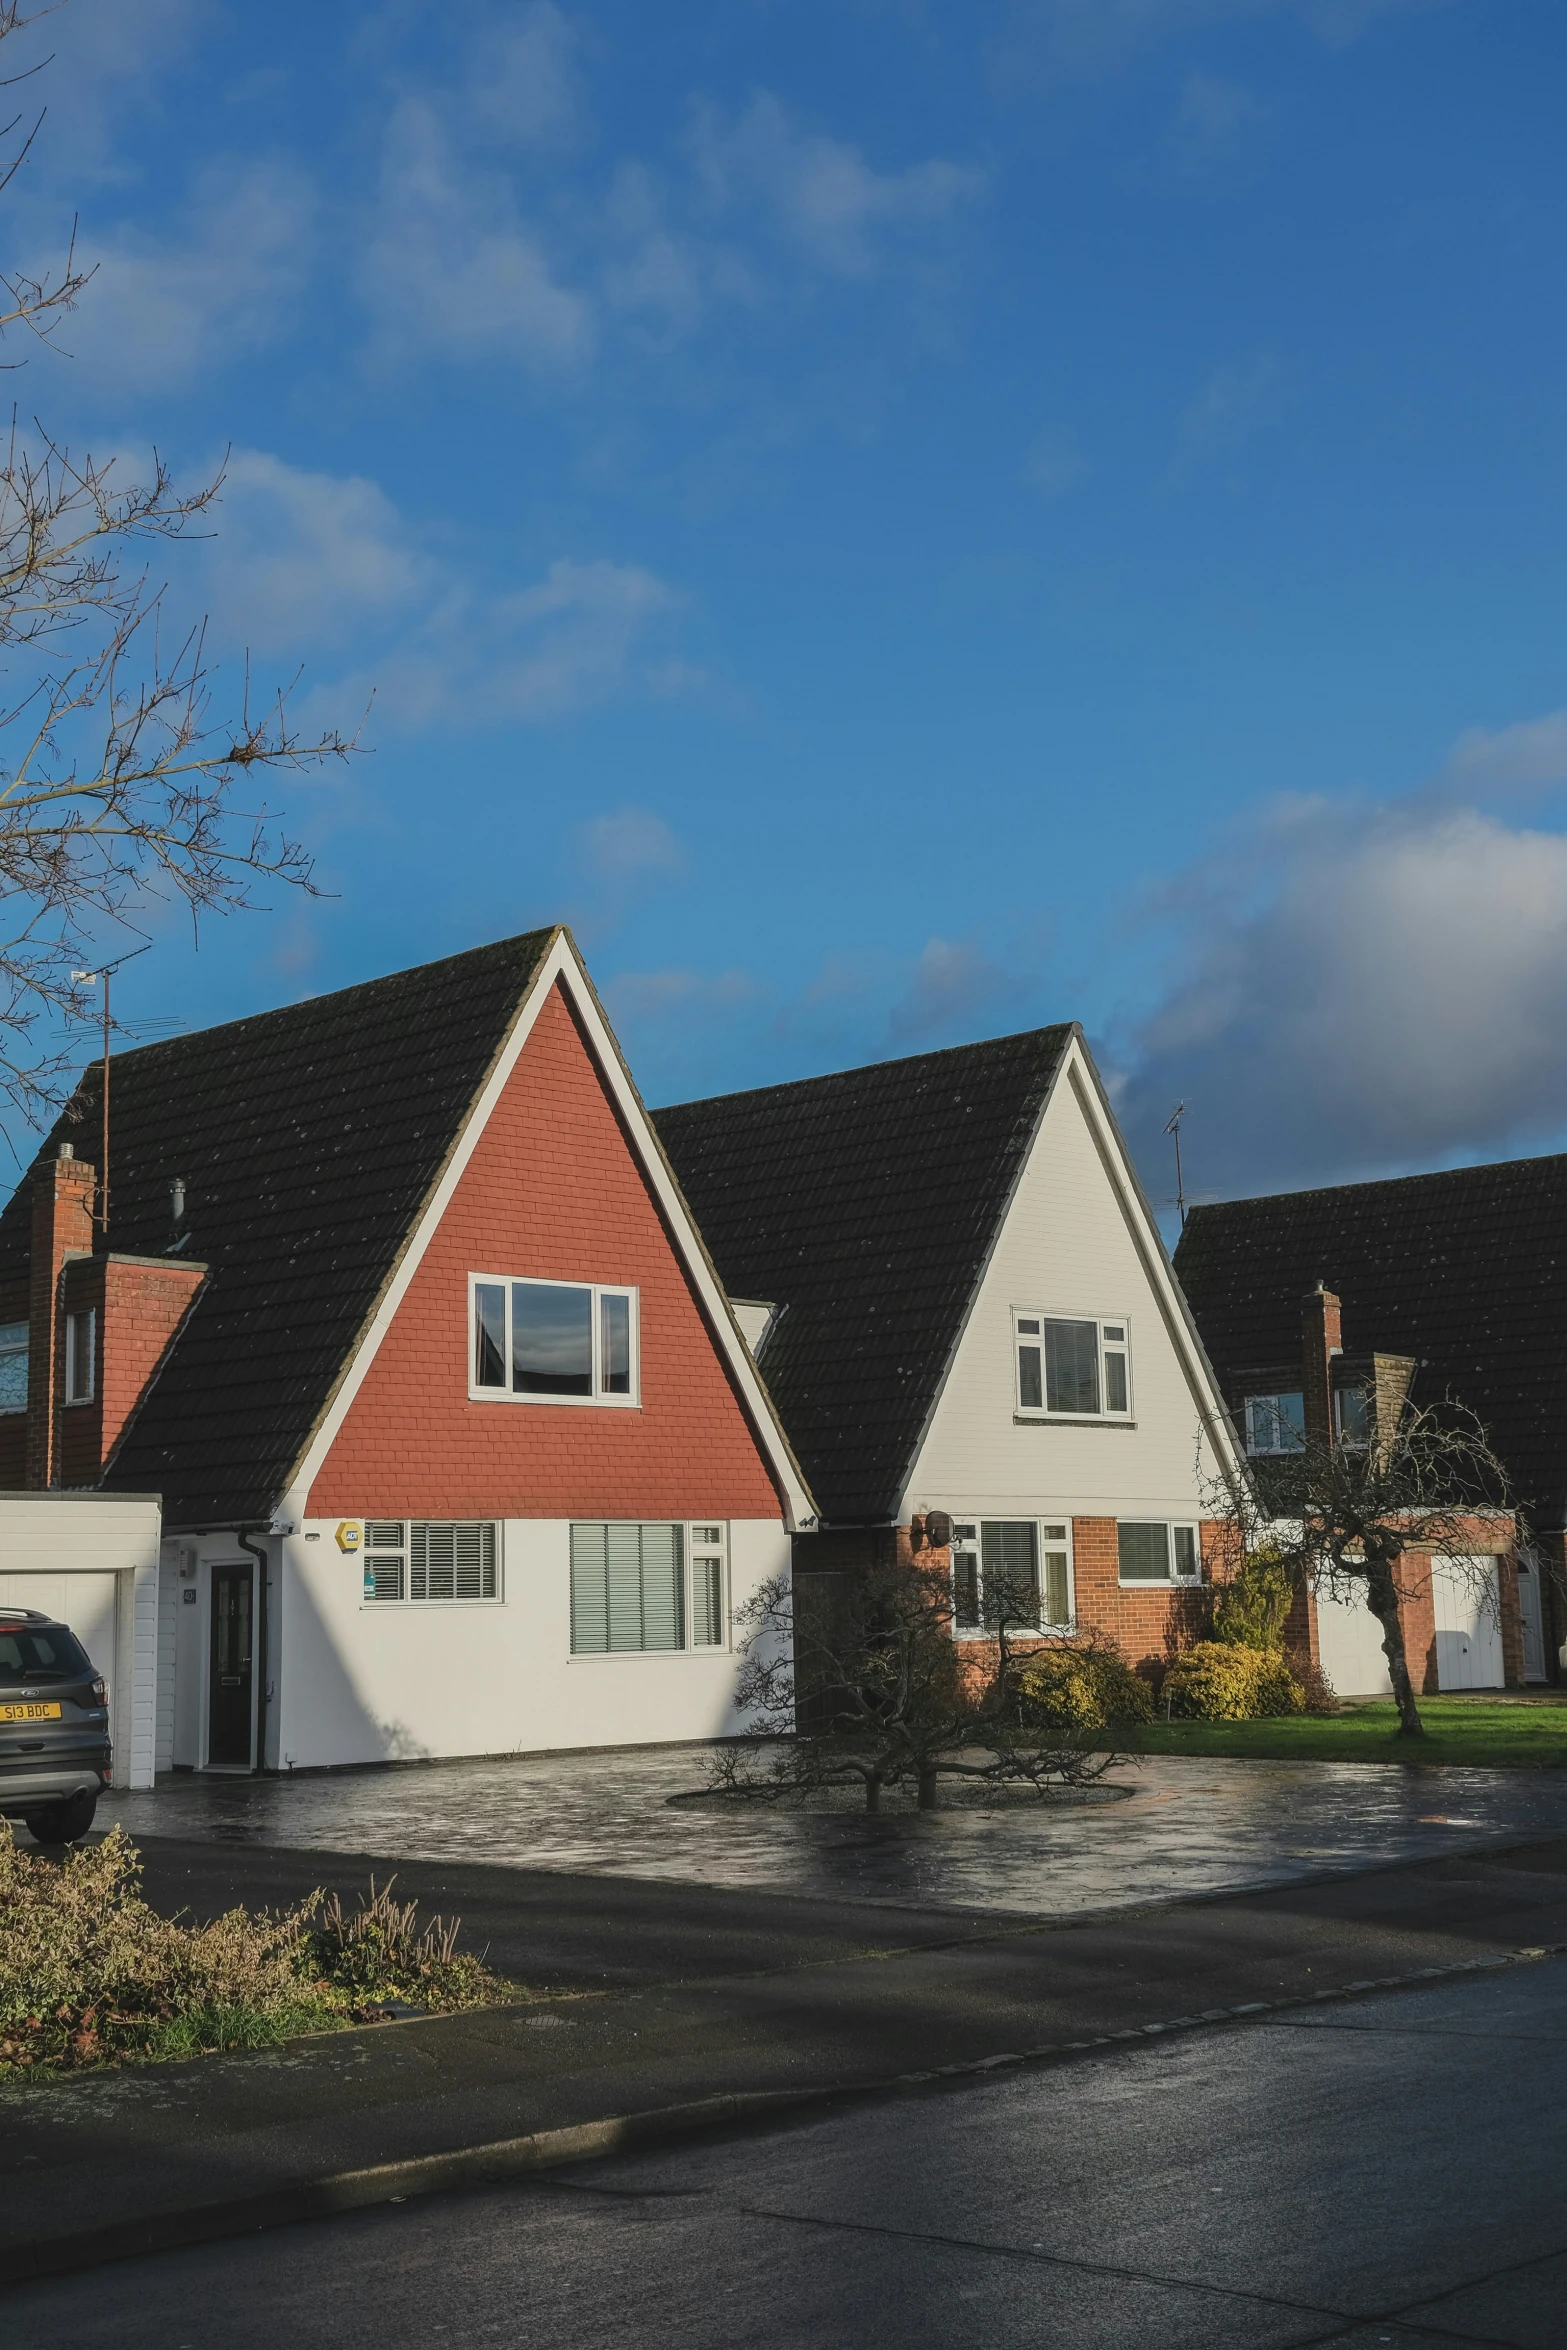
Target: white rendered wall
[362, 1681]
[1069, 1246]
[46, 1540]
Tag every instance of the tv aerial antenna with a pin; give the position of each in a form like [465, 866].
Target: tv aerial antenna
[1172, 1127]
[105, 972]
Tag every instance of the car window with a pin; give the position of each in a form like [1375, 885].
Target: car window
[52, 1655]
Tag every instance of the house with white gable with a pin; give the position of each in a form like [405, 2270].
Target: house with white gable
[968, 1322]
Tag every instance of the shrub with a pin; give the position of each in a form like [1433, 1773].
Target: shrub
[90, 1973]
[1083, 1684]
[1254, 1604]
[1220, 1681]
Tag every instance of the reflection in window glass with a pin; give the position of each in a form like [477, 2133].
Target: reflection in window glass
[1072, 1366]
[13, 1366]
[489, 1334]
[615, 1343]
[551, 1339]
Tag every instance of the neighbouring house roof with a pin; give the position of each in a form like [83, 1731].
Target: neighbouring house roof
[308, 1140]
[864, 1206]
[1466, 1271]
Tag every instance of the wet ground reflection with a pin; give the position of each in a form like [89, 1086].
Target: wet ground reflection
[1185, 1827]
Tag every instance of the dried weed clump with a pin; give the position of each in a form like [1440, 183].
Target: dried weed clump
[91, 1974]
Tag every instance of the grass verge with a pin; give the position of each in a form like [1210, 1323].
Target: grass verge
[91, 1975]
[1458, 1730]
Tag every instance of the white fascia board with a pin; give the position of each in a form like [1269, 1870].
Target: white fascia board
[1134, 1204]
[561, 962]
[1076, 1068]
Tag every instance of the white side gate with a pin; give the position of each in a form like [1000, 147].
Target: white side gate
[1466, 1606]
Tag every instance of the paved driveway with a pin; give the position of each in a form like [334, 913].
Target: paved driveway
[1184, 1827]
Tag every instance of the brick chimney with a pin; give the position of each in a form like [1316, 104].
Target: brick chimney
[1321, 1338]
[62, 1229]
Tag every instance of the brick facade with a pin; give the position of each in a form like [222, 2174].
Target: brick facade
[552, 1189]
[140, 1304]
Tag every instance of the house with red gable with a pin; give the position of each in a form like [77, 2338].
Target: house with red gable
[400, 1309]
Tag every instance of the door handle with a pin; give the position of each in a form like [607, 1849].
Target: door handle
[230, 1680]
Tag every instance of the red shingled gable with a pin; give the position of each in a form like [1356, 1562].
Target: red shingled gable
[553, 1189]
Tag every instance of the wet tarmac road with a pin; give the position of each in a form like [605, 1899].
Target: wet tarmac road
[1183, 1829]
[1383, 2172]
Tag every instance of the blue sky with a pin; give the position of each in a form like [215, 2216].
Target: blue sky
[899, 520]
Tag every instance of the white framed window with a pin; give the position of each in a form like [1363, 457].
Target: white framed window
[1276, 1423]
[1157, 1550]
[81, 1334]
[651, 1589]
[1352, 1417]
[1018, 1566]
[13, 1366]
[1072, 1367]
[534, 1341]
[431, 1559]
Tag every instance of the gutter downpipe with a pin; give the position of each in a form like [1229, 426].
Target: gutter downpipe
[242, 1536]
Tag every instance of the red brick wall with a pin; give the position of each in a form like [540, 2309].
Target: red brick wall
[552, 1189]
[139, 1308]
[63, 1193]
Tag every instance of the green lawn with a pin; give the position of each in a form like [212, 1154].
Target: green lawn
[1458, 1730]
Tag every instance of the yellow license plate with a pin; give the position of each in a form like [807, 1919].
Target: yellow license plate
[30, 1713]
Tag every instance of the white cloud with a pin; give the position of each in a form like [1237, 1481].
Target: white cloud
[306, 558]
[631, 842]
[952, 985]
[1528, 757]
[453, 265]
[654, 996]
[1214, 118]
[156, 310]
[1359, 992]
[822, 191]
[521, 82]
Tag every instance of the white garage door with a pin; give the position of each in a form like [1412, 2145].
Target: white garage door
[86, 1602]
[1468, 1624]
[1349, 1642]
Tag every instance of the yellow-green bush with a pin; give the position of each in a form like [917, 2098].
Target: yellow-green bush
[1254, 1604]
[1220, 1681]
[91, 1974]
[1081, 1685]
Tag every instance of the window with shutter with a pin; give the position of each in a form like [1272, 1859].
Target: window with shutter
[1071, 1368]
[647, 1589]
[432, 1559]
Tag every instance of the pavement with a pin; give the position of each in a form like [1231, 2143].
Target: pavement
[1181, 1828]
[676, 2007]
[1379, 2171]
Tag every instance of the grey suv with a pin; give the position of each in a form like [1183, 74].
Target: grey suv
[54, 1727]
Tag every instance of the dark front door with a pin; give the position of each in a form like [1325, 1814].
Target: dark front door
[228, 1713]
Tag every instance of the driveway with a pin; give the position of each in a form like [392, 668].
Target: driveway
[1182, 1829]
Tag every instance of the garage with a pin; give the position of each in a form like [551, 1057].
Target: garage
[1349, 1646]
[1466, 1608]
[91, 1561]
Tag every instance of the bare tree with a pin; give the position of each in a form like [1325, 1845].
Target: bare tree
[1349, 1517]
[118, 780]
[863, 1682]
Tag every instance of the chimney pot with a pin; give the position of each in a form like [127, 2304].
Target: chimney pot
[67, 1150]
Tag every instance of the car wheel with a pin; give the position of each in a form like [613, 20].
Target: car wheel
[63, 1823]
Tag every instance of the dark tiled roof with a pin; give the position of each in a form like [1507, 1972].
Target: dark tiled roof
[308, 1139]
[864, 1205]
[1466, 1271]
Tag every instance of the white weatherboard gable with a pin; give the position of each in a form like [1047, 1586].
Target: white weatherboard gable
[560, 962]
[1076, 1240]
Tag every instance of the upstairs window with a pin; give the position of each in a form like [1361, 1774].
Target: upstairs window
[1276, 1423]
[1017, 1568]
[552, 1341]
[81, 1331]
[1151, 1550]
[1077, 1370]
[13, 1366]
[1352, 1410]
